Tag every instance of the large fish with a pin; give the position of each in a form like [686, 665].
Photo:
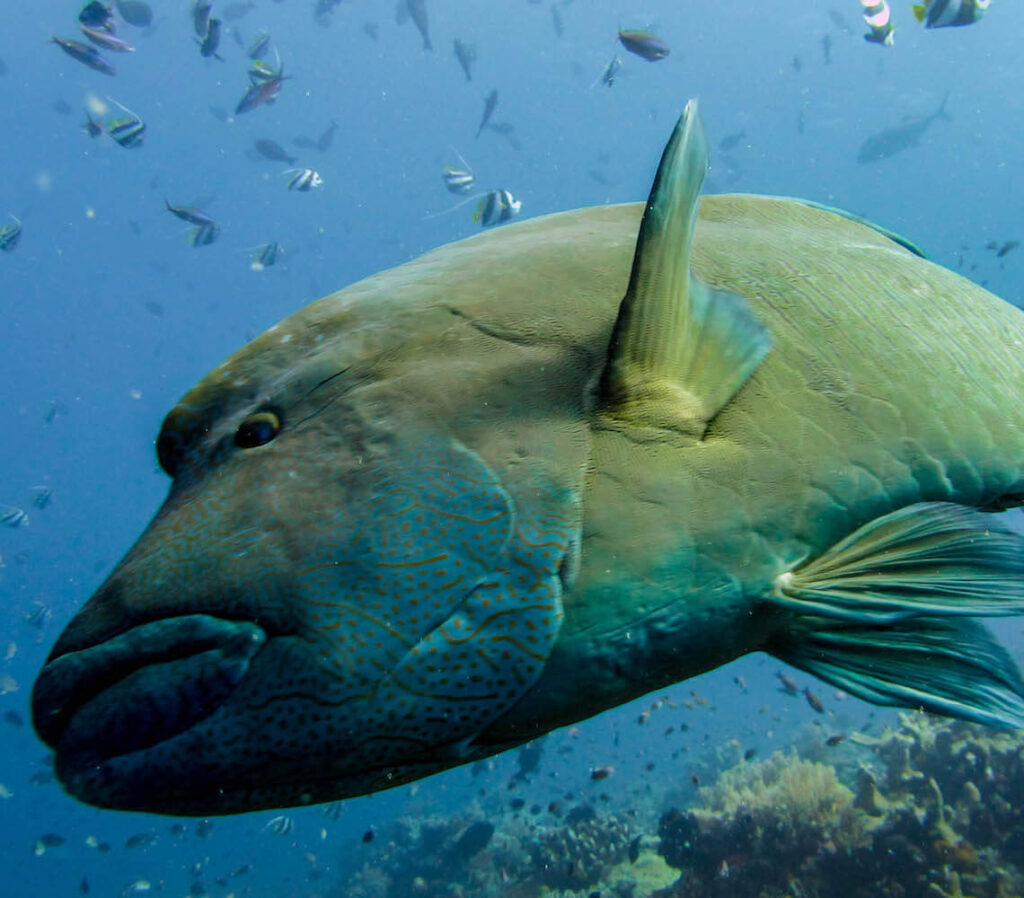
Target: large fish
[908, 133]
[542, 471]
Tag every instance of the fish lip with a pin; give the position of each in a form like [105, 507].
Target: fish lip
[191, 661]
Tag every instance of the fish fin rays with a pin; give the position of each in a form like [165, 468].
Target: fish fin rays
[882, 614]
[680, 350]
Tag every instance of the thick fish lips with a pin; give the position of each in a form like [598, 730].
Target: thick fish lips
[139, 688]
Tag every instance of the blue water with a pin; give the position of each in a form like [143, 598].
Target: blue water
[88, 369]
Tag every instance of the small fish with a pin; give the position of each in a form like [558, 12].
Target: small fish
[8, 684]
[92, 127]
[46, 841]
[137, 886]
[41, 496]
[644, 44]
[260, 44]
[135, 12]
[610, 71]
[38, 617]
[280, 825]
[333, 809]
[265, 256]
[190, 214]
[1002, 249]
[508, 131]
[788, 686]
[271, 149]
[418, 13]
[601, 773]
[5, 792]
[10, 235]
[235, 11]
[85, 54]
[897, 138]
[466, 55]
[835, 739]
[245, 868]
[201, 16]
[459, 180]
[128, 131]
[11, 651]
[61, 106]
[837, 19]
[96, 15]
[878, 18]
[12, 517]
[556, 21]
[949, 13]
[731, 140]
[203, 235]
[496, 208]
[83, 886]
[261, 72]
[368, 836]
[204, 827]
[106, 40]
[814, 701]
[304, 180]
[490, 101]
[260, 94]
[324, 141]
[211, 40]
[750, 754]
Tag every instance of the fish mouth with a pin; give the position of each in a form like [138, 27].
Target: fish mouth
[141, 687]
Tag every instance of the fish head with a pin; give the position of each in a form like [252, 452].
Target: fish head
[373, 514]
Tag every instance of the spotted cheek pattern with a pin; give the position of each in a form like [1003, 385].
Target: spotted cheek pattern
[440, 613]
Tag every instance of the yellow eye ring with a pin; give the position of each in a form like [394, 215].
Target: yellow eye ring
[258, 429]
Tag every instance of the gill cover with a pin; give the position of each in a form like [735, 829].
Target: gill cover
[444, 609]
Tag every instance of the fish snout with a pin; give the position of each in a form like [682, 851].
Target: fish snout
[139, 687]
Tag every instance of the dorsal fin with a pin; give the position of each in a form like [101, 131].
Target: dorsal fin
[680, 350]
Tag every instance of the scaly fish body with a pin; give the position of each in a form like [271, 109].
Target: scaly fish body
[482, 495]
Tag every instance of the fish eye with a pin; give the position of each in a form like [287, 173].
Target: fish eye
[258, 429]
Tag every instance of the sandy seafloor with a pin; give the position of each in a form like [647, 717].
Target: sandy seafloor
[109, 316]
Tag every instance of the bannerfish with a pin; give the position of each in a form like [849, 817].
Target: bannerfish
[878, 18]
[947, 13]
[546, 470]
[496, 207]
[304, 179]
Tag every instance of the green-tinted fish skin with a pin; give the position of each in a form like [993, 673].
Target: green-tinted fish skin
[472, 375]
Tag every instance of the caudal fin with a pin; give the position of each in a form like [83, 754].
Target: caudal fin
[884, 613]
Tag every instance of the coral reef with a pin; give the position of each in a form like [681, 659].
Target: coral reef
[931, 808]
[927, 815]
[450, 858]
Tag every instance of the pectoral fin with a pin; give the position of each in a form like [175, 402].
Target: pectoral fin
[880, 614]
[680, 349]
